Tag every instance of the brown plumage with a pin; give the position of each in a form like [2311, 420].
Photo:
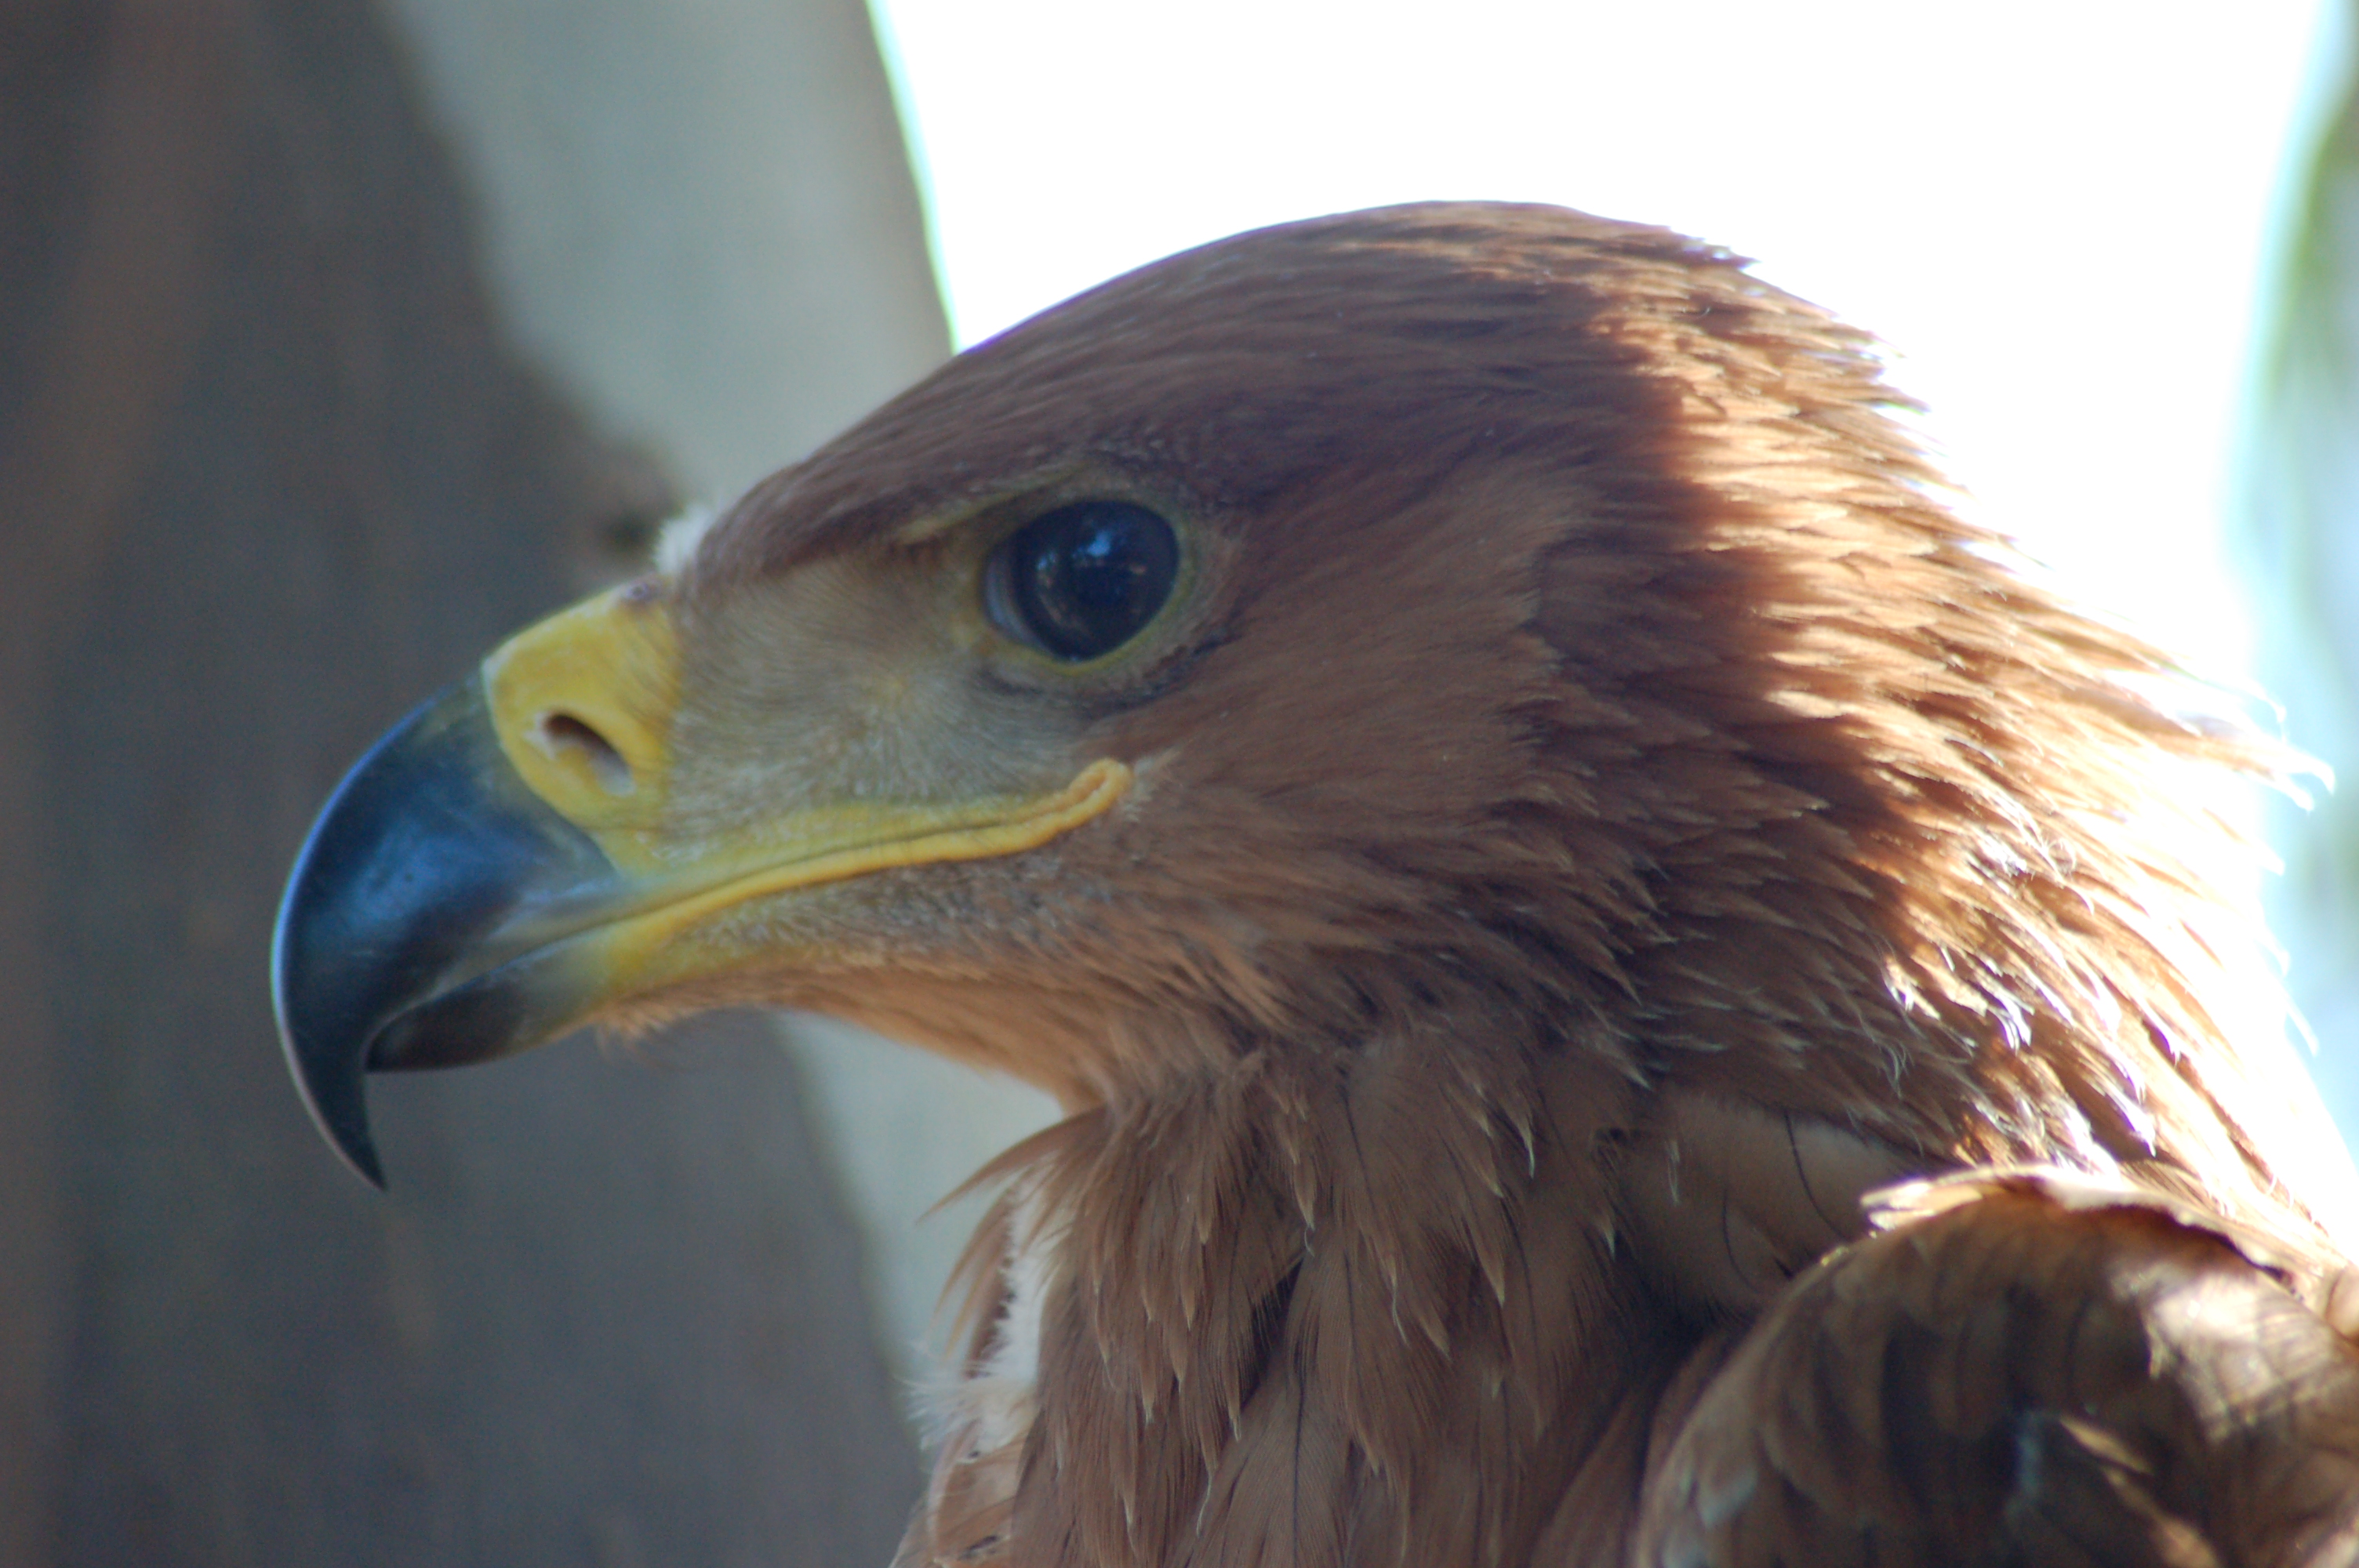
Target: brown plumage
[1597, 814]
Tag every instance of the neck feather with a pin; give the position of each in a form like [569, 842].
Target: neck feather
[1325, 1305]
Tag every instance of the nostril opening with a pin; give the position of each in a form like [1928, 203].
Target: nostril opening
[562, 732]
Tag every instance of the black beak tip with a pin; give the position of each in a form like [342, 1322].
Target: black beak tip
[389, 953]
[340, 1108]
[332, 1082]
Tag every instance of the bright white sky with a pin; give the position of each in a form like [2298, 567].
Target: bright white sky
[2052, 209]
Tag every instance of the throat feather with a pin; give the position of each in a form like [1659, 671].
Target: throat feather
[1300, 1310]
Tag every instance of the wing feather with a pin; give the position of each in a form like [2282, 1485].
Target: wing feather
[2028, 1368]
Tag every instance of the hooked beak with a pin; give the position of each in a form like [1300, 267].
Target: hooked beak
[425, 918]
[501, 868]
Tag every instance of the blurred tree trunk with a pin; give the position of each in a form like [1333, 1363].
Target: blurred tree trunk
[2300, 532]
[269, 473]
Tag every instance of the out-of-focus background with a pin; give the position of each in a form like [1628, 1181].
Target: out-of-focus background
[338, 338]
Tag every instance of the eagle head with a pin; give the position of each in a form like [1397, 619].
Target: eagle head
[1464, 746]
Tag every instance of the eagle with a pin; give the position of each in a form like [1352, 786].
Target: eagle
[1625, 987]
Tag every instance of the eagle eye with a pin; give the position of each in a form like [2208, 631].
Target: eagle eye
[1081, 581]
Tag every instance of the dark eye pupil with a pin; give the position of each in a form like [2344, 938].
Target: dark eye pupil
[1085, 577]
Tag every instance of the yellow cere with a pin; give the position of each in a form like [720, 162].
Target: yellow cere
[583, 706]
